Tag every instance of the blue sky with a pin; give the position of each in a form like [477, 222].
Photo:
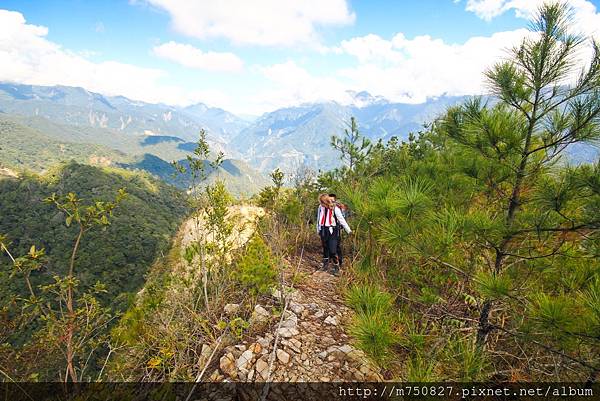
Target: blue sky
[272, 54]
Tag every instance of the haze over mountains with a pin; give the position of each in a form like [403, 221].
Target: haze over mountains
[148, 136]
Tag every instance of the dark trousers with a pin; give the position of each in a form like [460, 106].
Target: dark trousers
[338, 250]
[331, 245]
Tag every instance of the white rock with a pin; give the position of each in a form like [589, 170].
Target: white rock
[346, 348]
[260, 315]
[262, 368]
[244, 360]
[290, 322]
[231, 309]
[287, 332]
[259, 310]
[332, 320]
[265, 343]
[319, 314]
[296, 308]
[283, 356]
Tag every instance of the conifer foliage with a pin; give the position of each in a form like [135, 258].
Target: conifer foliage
[478, 225]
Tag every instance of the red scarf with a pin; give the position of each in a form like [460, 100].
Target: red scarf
[324, 216]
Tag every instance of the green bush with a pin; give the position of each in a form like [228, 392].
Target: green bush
[369, 300]
[375, 336]
[256, 269]
[420, 369]
[467, 362]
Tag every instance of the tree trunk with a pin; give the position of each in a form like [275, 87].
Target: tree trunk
[204, 277]
[71, 313]
[513, 205]
[484, 325]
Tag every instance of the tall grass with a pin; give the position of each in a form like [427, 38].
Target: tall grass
[465, 362]
[369, 300]
[374, 335]
[373, 326]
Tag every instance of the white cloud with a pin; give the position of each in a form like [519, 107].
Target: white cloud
[400, 69]
[486, 9]
[26, 56]
[371, 48]
[585, 13]
[293, 85]
[192, 57]
[258, 22]
[410, 70]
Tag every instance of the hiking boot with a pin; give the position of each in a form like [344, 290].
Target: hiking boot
[336, 270]
[325, 266]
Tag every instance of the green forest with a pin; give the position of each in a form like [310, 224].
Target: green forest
[117, 255]
[474, 254]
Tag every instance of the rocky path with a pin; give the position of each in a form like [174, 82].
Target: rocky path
[313, 344]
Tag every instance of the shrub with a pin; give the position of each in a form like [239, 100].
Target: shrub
[467, 362]
[369, 300]
[375, 336]
[256, 268]
[420, 369]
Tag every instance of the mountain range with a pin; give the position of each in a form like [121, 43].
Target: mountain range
[296, 136]
[135, 134]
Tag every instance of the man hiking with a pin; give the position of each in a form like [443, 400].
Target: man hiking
[329, 220]
[344, 210]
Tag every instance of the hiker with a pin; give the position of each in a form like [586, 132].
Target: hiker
[344, 210]
[329, 220]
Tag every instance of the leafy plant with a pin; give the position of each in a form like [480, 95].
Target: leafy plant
[256, 269]
[369, 300]
[420, 369]
[493, 286]
[375, 335]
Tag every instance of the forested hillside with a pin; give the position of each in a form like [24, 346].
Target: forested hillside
[26, 148]
[118, 255]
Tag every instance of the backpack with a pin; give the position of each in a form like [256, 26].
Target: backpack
[344, 209]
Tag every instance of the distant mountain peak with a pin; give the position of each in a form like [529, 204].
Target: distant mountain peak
[198, 107]
[364, 99]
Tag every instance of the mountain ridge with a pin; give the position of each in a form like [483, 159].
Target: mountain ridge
[286, 138]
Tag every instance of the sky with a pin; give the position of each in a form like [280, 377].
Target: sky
[250, 57]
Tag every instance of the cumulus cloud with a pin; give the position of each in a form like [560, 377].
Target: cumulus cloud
[257, 22]
[584, 12]
[411, 70]
[192, 57]
[27, 57]
[292, 85]
[399, 68]
[371, 48]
